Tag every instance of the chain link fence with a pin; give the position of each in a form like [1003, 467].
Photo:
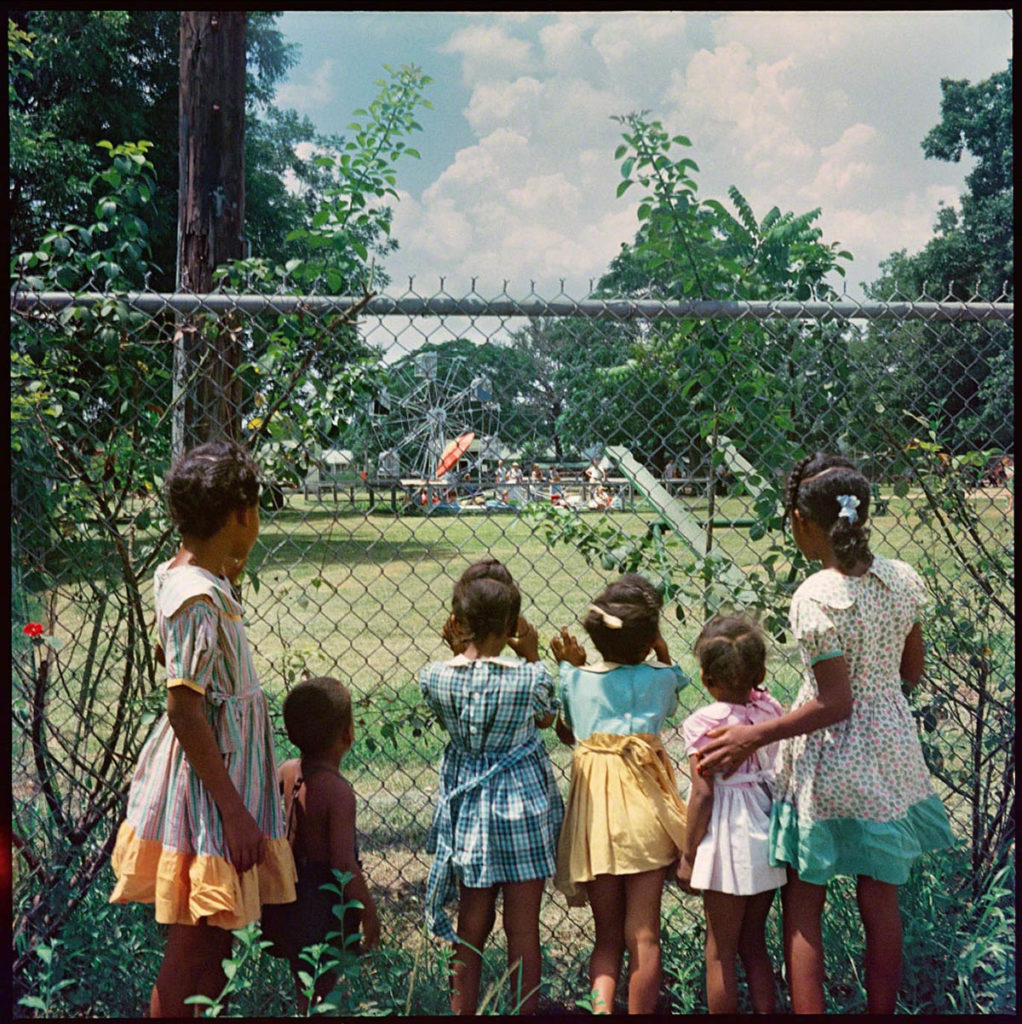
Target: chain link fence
[404, 437]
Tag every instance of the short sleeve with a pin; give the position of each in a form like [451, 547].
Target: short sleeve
[544, 693]
[916, 588]
[191, 639]
[814, 629]
[694, 730]
[426, 689]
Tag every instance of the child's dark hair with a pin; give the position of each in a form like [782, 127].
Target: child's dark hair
[731, 652]
[316, 712]
[624, 620]
[205, 485]
[829, 491]
[486, 600]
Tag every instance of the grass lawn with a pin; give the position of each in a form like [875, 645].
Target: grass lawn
[336, 589]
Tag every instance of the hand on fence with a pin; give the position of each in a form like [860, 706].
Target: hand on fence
[245, 840]
[451, 634]
[660, 650]
[526, 641]
[566, 648]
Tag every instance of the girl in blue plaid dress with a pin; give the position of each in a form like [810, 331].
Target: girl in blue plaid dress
[498, 810]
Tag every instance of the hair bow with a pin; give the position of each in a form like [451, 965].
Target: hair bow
[849, 503]
[610, 621]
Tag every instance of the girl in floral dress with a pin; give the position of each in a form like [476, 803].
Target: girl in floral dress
[204, 837]
[853, 793]
[498, 810]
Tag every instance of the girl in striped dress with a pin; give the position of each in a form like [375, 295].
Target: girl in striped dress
[204, 836]
[498, 809]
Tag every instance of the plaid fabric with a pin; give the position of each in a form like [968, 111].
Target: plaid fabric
[498, 813]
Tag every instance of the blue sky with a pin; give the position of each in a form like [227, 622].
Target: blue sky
[517, 178]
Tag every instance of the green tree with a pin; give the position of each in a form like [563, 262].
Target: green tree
[961, 371]
[77, 77]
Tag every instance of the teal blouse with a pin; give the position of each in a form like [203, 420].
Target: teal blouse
[619, 699]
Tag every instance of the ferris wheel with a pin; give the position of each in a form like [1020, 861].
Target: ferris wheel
[430, 404]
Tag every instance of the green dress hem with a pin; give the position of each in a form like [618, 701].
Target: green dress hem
[884, 850]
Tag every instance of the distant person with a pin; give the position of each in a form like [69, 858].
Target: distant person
[624, 824]
[203, 838]
[853, 794]
[556, 489]
[671, 470]
[593, 472]
[727, 826]
[320, 810]
[498, 811]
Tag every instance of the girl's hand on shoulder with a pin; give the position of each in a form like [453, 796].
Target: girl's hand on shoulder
[245, 840]
[727, 749]
[566, 648]
[526, 641]
[451, 634]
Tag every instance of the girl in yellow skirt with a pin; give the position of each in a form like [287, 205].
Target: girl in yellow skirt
[204, 836]
[624, 824]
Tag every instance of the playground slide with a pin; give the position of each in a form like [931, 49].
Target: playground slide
[673, 511]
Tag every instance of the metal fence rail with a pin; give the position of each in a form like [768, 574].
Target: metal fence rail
[706, 405]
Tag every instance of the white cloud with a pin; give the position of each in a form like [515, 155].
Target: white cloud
[797, 109]
[488, 52]
[310, 96]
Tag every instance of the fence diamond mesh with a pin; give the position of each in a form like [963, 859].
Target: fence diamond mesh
[404, 437]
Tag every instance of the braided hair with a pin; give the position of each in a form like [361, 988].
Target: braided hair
[209, 482]
[820, 486]
[732, 653]
[624, 619]
[486, 600]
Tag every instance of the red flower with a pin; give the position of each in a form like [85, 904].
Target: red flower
[33, 629]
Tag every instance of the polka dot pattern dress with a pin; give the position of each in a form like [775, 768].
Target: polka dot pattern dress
[856, 797]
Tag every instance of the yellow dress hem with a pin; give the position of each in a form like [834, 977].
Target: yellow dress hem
[187, 887]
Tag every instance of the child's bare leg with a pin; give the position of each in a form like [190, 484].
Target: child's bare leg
[607, 899]
[724, 915]
[521, 926]
[759, 971]
[881, 920]
[476, 914]
[802, 904]
[642, 937]
[191, 967]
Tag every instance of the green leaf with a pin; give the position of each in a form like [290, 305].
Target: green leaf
[623, 187]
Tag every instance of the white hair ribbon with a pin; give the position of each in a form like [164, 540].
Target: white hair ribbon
[610, 621]
[849, 503]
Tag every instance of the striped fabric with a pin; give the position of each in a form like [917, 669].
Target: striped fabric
[200, 627]
[498, 811]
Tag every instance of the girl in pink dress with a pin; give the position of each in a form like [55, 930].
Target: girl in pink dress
[726, 853]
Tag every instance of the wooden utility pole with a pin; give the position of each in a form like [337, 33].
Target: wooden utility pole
[211, 216]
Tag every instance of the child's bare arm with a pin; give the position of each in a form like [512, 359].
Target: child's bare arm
[660, 650]
[564, 732]
[341, 833]
[697, 820]
[245, 839]
[912, 656]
